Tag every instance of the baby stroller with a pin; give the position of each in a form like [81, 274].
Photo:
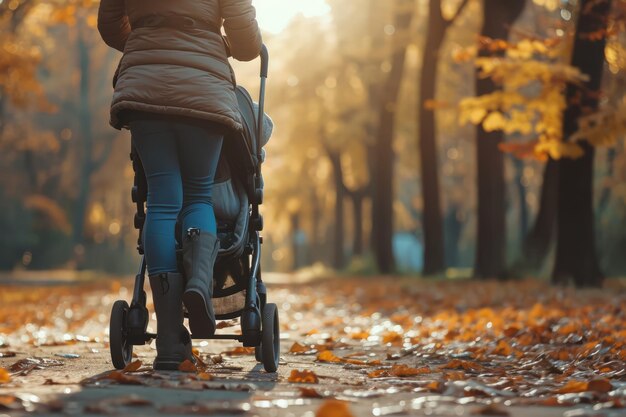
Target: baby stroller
[238, 288]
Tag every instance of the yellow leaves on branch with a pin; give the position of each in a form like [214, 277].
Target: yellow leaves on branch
[602, 128]
[532, 100]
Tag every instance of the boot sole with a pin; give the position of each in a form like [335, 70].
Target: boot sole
[200, 323]
[165, 365]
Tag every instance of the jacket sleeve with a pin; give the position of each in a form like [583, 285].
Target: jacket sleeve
[242, 29]
[113, 23]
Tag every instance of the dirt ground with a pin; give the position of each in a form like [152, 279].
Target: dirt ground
[349, 346]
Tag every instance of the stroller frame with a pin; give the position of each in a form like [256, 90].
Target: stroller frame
[259, 319]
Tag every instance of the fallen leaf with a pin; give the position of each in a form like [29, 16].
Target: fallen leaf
[435, 386]
[359, 335]
[328, 356]
[303, 377]
[491, 410]
[600, 385]
[204, 376]
[187, 366]
[307, 392]
[133, 366]
[460, 364]
[573, 387]
[298, 348]
[10, 402]
[5, 376]
[405, 370]
[226, 323]
[240, 350]
[334, 408]
[26, 365]
[122, 378]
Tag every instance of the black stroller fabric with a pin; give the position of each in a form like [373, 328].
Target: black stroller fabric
[233, 189]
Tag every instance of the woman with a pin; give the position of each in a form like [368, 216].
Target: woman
[174, 90]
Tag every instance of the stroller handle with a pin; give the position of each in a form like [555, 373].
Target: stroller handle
[265, 60]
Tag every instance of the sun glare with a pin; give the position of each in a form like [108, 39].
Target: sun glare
[274, 15]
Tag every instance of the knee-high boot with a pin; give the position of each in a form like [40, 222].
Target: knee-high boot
[173, 341]
[199, 253]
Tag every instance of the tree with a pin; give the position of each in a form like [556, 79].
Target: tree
[576, 258]
[438, 25]
[383, 198]
[498, 17]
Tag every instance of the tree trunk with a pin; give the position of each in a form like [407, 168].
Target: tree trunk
[338, 260]
[357, 210]
[86, 136]
[498, 17]
[575, 250]
[521, 196]
[382, 220]
[538, 241]
[432, 219]
[295, 241]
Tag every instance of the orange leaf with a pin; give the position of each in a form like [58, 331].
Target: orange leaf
[434, 386]
[8, 401]
[378, 373]
[328, 356]
[334, 408]
[133, 366]
[405, 370]
[122, 378]
[454, 376]
[205, 376]
[303, 377]
[4, 376]
[503, 348]
[600, 385]
[573, 387]
[306, 392]
[240, 350]
[187, 366]
[459, 364]
[360, 335]
[298, 348]
[392, 337]
[354, 361]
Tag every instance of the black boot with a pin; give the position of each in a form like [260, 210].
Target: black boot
[199, 253]
[173, 341]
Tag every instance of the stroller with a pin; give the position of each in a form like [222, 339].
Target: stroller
[238, 288]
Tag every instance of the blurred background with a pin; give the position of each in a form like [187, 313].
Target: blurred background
[411, 136]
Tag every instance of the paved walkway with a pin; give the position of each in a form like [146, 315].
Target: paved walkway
[376, 347]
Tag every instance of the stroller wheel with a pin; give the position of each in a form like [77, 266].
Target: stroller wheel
[121, 348]
[270, 338]
[258, 354]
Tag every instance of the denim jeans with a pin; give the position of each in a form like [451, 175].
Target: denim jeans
[180, 160]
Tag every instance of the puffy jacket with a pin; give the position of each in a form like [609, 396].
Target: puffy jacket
[178, 70]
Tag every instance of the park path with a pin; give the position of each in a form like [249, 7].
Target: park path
[350, 347]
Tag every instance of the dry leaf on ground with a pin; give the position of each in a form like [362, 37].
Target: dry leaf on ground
[334, 408]
[303, 377]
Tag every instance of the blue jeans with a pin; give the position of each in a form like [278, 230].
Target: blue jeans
[180, 160]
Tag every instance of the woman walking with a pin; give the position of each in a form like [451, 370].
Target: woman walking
[174, 90]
